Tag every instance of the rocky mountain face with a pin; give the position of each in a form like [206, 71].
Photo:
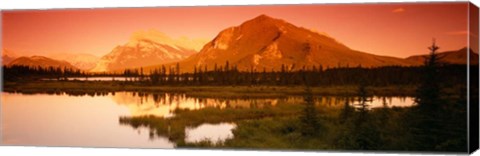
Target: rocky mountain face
[146, 49]
[266, 42]
[257, 44]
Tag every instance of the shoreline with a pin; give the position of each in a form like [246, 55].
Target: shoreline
[89, 87]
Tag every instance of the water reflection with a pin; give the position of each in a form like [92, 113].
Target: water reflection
[165, 104]
[62, 120]
[92, 119]
[212, 132]
[96, 79]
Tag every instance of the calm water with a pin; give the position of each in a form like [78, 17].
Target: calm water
[65, 120]
[97, 79]
[213, 132]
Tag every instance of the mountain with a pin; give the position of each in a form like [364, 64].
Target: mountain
[8, 56]
[35, 61]
[81, 61]
[449, 57]
[266, 42]
[147, 48]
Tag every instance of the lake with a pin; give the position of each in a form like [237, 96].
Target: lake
[104, 78]
[93, 120]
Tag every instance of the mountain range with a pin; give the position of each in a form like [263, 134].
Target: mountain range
[80, 60]
[265, 42]
[268, 43]
[8, 56]
[148, 48]
[449, 57]
[259, 43]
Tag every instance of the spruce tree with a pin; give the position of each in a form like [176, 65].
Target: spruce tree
[425, 121]
[309, 118]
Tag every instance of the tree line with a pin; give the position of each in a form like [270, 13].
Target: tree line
[230, 75]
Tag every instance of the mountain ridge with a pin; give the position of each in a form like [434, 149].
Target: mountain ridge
[266, 42]
[8, 56]
[82, 61]
[41, 61]
[145, 49]
[449, 57]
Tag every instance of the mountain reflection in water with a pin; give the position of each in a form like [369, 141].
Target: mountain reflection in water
[92, 119]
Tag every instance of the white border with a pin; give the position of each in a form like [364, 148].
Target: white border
[75, 151]
[46, 4]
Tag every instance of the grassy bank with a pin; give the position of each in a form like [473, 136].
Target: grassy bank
[174, 128]
[280, 127]
[79, 87]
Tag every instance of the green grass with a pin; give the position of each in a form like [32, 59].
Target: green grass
[184, 118]
[279, 127]
[273, 127]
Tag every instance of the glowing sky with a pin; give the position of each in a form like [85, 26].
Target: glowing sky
[400, 29]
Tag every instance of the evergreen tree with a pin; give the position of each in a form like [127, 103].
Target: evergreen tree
[366, 135]
[427, 120]
[309, 119]
[428, 92]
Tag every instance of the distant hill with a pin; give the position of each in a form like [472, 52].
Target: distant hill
[41, 61]
[146, 49]
[81, 61]
[266, 42]
[8, 56]
[449, 57]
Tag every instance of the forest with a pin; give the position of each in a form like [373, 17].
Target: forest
[450, 74]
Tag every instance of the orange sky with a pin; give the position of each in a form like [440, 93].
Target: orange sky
[384, 29]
